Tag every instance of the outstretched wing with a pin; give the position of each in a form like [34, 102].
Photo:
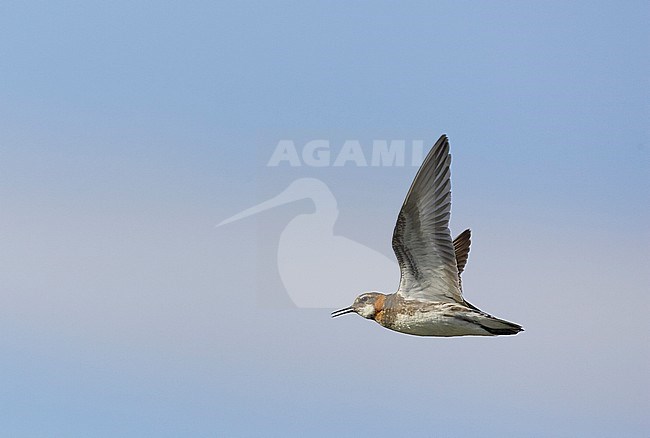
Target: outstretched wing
[461, 249]
[421, 239]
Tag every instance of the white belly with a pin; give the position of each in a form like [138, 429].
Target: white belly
[435, 324]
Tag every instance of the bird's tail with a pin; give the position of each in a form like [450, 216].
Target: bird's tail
[498, 326]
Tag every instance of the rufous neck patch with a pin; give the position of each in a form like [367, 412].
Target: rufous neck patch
[379, 303]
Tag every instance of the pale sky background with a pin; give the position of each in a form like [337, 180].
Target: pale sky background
[129, 129]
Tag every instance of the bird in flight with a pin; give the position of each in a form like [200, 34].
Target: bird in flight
[429, 301]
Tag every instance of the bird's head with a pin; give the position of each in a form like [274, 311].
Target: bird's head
[367, 305]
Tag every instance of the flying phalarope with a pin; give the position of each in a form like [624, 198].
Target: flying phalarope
[429, 301]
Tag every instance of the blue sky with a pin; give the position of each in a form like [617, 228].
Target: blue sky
[128, 130]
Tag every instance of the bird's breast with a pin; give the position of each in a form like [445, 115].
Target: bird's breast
[430, 322]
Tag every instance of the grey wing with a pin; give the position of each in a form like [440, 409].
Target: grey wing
[421, 239]
[461, 250]
[462, 243]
